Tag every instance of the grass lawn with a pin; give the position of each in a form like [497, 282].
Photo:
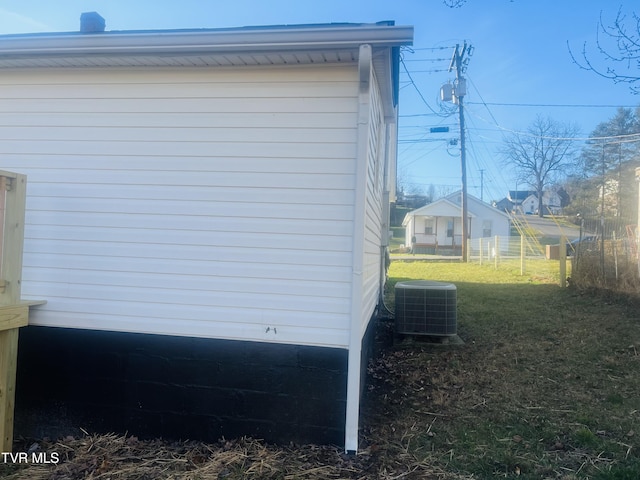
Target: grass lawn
[547, 384]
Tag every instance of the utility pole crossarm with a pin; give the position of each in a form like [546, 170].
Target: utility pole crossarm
[454, 59]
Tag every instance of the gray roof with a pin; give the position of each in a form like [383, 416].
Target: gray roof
[265, 45]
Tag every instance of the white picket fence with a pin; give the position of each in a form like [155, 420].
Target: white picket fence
[523, 253]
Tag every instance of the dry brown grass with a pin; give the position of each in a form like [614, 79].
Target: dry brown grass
[616, 271]
[118, 457]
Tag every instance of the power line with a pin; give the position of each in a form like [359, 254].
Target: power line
[486, 105]
[427, 60]
[627, 138]
[423, 140]
[411, 49]
[558, 105]
[416, 88]
[419, 115]
[420, 157]
[435, 70]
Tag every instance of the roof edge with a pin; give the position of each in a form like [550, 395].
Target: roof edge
[206, 40]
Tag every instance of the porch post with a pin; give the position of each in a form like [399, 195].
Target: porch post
[12, 314]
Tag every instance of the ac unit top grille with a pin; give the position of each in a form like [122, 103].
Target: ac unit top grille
[425, 285]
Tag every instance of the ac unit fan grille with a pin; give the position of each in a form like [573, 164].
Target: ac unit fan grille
[426, 308]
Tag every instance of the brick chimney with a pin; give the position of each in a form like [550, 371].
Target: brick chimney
[91, 22]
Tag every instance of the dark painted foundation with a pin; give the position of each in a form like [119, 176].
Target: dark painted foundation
[178, 387]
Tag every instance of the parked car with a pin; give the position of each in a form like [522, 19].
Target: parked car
[584, 244]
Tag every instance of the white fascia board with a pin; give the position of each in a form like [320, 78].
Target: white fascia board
[204, 41]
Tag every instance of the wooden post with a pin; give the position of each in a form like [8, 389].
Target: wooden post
[496, 257]
[563, 261]
[12, 314]
[615, 252]
[13, 238]
[522, 254]
[638, 222]
[488, 250]
[4, 182]
[480, 249]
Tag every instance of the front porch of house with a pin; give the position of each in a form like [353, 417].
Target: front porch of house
[435, 235]
[430, 244]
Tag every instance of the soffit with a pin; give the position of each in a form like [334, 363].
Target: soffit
[259, 46]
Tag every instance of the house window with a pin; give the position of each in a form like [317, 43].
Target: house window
[428, 227]
[450, 228]
[486, 228]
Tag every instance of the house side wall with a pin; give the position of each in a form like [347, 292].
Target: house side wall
[529, 204]
[408, 230]
[373, 207]
[196, 202]
[500, 223]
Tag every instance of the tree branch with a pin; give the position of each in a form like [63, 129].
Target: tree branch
[623, 50]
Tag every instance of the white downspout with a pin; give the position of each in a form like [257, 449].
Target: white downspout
[386, 214]
[355, 328]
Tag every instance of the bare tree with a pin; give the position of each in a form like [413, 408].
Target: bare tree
[541, 155]
[458, 3]
[618, 49]
[454, 3]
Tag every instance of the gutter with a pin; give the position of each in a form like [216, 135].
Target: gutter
[204, 41]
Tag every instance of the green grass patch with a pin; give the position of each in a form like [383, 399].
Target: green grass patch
[630, 471]
[545, 385]
[585, 438]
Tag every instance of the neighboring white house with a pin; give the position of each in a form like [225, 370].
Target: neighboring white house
[228, 184]
[437, 227]
[526, 202]
[551, 202]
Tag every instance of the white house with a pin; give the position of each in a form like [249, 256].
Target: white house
[550, 202]
[530, 204]
[526, 202]
[207, 215]
[436, 228]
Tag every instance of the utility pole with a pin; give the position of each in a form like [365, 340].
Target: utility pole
[460, 89]
[604, 184]
[482, 184]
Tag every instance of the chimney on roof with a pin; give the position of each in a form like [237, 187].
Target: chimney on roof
[91, 22]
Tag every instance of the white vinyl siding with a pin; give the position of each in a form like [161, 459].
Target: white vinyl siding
[212, 203]
[373, 207]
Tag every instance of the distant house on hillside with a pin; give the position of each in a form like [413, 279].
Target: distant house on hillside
[526, 202]
[437, 228]
[514, 201]
[411, 200]
[551, 204]
[504, 205]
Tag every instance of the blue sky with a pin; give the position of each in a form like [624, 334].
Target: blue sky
[520, 57]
